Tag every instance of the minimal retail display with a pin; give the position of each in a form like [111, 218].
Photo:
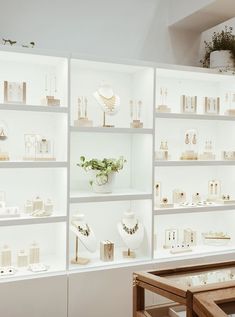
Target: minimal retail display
[6, 211]
[174, 242]
[34, 253]
[212, 105]
[108, 100]
[163, 153]
[188, 104]
[106, 251]
[15, 92]
[22, 258]
[4, 155]
[38, 148]
[6, 256]
[163, 107]
[50, 91]
[190, 145]
[228, 155]
[135, 113]
[214, 190]
[216, 238]
[39, 208]
[131, 231]
[230, 103]
[208, 152]
[82, 116]
[85, 235]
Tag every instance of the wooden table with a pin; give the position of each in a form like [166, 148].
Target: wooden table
[199, 300]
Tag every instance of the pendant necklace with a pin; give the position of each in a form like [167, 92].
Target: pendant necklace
[85, 232]
[109, 102]
[130, 230]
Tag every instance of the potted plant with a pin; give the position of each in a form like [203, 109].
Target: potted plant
[102, 172]
[220, 51]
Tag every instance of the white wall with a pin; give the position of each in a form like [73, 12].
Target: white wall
[135, 29]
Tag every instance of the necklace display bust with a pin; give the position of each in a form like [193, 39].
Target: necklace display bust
[131, 232]
[83, 232]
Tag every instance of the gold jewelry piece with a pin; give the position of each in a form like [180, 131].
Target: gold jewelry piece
[130, 230]
[194, 141]
[164, 200]
[85, 232]
[109, 102]
[187, 139]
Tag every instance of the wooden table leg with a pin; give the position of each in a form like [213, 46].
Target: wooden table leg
[138, 298]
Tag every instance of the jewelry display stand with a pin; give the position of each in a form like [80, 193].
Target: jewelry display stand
[131, 232]
[163, 101]
[190, 141]
[85, 234]
[230, 103]
[109, 102]
[4, 156]
[135, 112]
[50, 87]
[82, 119]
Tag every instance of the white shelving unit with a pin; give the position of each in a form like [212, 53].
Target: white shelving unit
[67, 184]
[192, 176]
[23, 180]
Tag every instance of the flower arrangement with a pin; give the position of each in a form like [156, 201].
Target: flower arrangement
[221, 41]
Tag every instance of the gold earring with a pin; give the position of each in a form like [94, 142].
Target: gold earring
[194, 139]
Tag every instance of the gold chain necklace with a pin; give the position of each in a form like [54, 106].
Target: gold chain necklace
[130, 230]
[109, 102]
[86, 231]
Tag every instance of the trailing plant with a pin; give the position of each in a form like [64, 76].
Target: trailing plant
[223, 40]
[103, 167]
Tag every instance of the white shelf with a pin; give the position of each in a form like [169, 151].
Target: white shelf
[111, 130]
[16, 107]
[181, 210]
[96, 263]
[193, 163]
[117, 195]
[31, 220]
[164, 255]
[32, 164]
[56, 267]
[171, 115]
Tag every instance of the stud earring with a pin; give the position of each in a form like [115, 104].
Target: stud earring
[187, 139]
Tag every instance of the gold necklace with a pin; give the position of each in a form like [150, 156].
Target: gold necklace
[130, 230]
[109, 102]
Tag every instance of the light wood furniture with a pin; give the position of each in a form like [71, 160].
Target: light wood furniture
[201, 300]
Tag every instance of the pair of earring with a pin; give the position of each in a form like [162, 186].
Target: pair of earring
[187, 140]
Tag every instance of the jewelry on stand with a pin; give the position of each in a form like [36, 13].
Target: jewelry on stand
[208, 152]
[109, 102]
[230, 102]
[190, 141]
[162, 107]
[50, 88]
[82, 118]
[83, 231]
[212, 105]
[38, 148]
[106, 251]
[130, 230]
[188, 104]
[163, 153]
[4, 156]
[135, 112]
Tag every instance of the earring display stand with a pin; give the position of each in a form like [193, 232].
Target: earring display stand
[77, 259]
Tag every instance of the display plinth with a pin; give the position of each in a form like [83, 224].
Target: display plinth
[129, 254]
[78, 260]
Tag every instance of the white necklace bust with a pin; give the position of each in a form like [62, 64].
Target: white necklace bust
[131, 230]
[109, 102]
[84, 232]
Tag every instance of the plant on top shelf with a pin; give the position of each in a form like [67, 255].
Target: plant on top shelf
[220, 51]
[102, 172]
